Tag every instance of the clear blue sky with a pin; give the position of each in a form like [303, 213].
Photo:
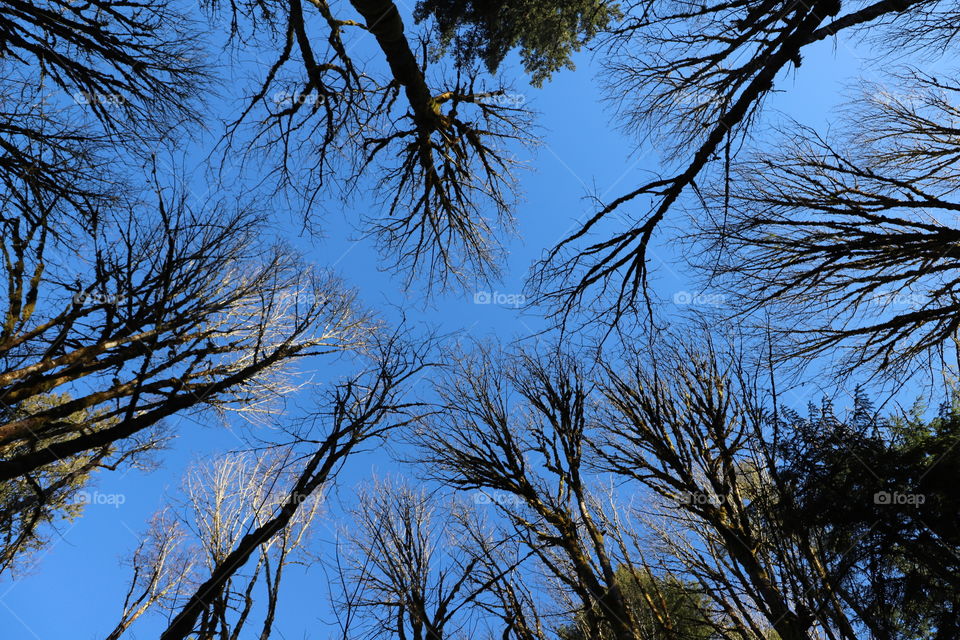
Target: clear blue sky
[77, 585]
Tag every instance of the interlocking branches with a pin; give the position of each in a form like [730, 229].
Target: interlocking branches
[451, 171]
[695, 494]
[361, 410]
[412, 571]
[856, 232]
[515, 428]
[161, 310]
[311, 97]
[85, 88]
[686, 423]
[440, 157]
[135, 65]
[697, 74]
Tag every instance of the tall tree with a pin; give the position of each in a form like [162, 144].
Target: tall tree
[878, 492]
[437, 148]
[412, 567]
[360, 411]
[164, 309]
[513, 425]
[224, 498]
[696, 77]
[123, 295]
[701, 495]
[853, 233]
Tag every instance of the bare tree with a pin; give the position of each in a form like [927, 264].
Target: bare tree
[687, 423]
[126, 301]
[422, 566]
[856, 233]
[410, 568]
[655, 474]
[133, 64]
[223, 499]
[435, 149]
[361, 410]
[514, 425]
[162, 563]
[160, 310]
[696, 75]
[90, 90]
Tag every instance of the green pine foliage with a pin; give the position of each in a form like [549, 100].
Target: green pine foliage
[883, 495]
[34, 505]
[663, 608]
[547, 33]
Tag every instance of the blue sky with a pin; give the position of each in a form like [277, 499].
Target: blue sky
[76, 587]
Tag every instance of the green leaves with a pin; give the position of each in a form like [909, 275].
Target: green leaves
[546, 33]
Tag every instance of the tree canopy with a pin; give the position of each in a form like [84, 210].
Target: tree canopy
[340, 446]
